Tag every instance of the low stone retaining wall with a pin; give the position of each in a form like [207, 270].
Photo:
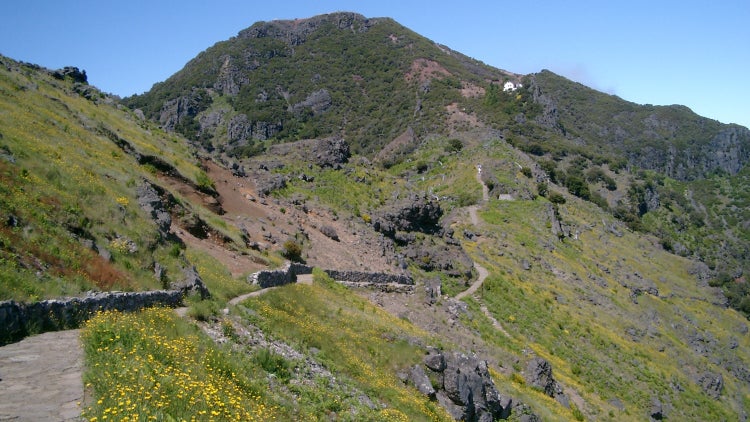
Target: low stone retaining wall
[289, 272]
[284, 275]
[372, 278]
[18, 320]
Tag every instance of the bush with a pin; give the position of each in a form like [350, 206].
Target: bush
[292, 250]
[556, 198]
[273, 363]
[526, 171]
[454, 145]
[542, 188]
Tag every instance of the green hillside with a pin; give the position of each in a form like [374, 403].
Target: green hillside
[551, 222]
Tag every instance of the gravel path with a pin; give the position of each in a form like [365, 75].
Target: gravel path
[40, 378]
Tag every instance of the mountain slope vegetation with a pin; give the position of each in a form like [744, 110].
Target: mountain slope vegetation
[602, 239]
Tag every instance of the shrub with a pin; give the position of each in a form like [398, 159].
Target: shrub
[292, 250]
[526, 171]
[542, 188]
[556, 198]
[273, 363]
[204, 182]
[454, 145]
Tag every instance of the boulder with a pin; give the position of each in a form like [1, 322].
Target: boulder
[191, 284]
[416, 213]
[712, 384]
[657, 412]
[467, 391]
[421, 381]
[539, 375]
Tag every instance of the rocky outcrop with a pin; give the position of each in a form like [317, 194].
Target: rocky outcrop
[712, 384]
[191, 284]
[149, 200]
[727, 151]
[325, 152]
[317, 102]
[549, 116]
[240, 130]
[296, 32]
[462, 385]
[539, 375]
[71, 72]
[266, 183]
[231, 76]
[181, 109]
[416, 213]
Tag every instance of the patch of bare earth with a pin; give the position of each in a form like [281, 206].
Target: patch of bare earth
[459, 120]
[423, 70]
[270, 222]
[469, 90]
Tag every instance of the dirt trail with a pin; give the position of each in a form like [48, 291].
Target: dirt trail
[40, 378]
[483, 273]
[475, 221]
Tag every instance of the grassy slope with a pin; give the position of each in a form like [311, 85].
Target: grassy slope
[574, 306]
[64, 180]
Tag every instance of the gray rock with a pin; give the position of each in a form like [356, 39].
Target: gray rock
[433, 291]
[468, 392]
[191, 284]
[421, 381]
[416, 213]
[712, 384]
[539, 375]
[318, 102]
[150, 201]
[268, 183]
[435, 361]
[656, 412]
[329, 232]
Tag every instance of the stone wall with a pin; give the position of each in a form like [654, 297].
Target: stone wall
[18, 320]
[284, 275]
[373, 278]
[289, 272]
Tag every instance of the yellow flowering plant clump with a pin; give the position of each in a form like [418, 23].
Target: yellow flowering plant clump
[152, 365]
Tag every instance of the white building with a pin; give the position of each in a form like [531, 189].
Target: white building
[510, 86]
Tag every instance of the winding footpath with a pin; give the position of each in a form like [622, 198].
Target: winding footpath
[483, 273]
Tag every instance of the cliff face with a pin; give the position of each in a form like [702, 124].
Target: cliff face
[671, 140]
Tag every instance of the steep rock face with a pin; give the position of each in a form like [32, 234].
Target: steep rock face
[726, 152]
[182, 109]
[463, 387]
[671, 140]
[240, 130]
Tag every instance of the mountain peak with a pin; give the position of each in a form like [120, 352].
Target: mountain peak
[296, 31]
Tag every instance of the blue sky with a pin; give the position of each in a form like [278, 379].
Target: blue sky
[695, 53]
